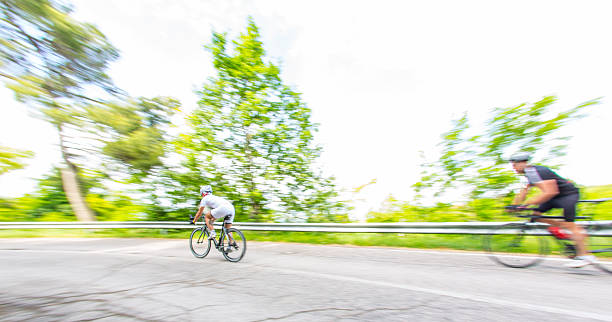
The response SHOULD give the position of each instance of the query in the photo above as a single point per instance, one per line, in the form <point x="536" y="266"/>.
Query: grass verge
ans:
<point x="424" y="241"/>
<point x="459" y="242"/>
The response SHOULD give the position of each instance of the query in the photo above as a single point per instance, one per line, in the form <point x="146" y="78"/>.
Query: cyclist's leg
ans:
<point x="544" y="207"/>
<point x="568" y="204"/>
<point x="209" y="219"/>
<point x="215" y="214"/>
<point x="229" y="221"/>
<point x="578" y="236"/>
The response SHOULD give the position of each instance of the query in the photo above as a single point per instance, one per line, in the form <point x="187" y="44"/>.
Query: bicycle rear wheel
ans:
<point x="199" y="242"/>
<point x="510" y="244"/>
<point x="601" y="248"/>
<point x="233" y="250"/>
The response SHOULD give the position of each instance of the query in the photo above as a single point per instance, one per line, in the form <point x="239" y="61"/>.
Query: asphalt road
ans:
<point x="159" y="280"/>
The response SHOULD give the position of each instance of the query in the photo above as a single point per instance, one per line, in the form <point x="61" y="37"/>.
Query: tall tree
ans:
<point x="252" y="138"/>
<point x="475" y="162"/>
<point x="132" y="133"/>
<point x="50" y="61"/>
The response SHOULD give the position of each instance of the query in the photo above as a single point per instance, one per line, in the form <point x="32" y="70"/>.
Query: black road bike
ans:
<point x="231" y="242"/>
<point x="509" y="244"/>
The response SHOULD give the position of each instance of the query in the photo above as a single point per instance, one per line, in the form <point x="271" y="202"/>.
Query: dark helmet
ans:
<point x="520" y="157"/>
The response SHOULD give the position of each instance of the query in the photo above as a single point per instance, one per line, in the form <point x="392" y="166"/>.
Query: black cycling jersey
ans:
<point x="537" y="173"/>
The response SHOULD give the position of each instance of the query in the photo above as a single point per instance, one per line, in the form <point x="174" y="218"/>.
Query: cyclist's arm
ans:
<point x="521" y="195"/>
<point x="549" y="189"/>
<point x="198" y="214"/>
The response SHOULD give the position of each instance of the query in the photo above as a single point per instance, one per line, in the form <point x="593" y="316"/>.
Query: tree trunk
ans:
<point x="71" y="185"/>
<point x="254" y="214"/>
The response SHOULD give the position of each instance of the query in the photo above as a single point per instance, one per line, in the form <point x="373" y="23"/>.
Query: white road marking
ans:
<point x="454" y="253"/>
<point x="459" y="295"/>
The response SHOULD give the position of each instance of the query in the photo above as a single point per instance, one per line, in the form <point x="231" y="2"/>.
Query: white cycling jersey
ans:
<point x="219" y="207"/>
<point x="213" y="202"/>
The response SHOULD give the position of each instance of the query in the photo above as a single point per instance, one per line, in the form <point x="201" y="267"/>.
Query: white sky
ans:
<point x="383" y="78"/>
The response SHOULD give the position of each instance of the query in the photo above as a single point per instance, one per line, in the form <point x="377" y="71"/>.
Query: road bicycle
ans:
<point x="509" y="244"/>
<point x="231" y="242"/>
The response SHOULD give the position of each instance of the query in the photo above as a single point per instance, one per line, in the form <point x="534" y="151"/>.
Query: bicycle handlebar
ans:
<point x="533" y="216"/>
<point x="515" y="208"/>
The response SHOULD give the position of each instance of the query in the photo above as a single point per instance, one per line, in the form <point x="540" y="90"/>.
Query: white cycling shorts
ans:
<point x="224" y="211"/>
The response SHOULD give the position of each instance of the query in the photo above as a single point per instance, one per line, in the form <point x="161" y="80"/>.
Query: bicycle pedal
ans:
<point x="570" y="251"/>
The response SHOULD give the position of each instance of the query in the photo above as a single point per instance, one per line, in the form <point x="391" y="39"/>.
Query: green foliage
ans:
<point x="133" y="133"/>
<point x="602" y="211"/>
<point x="115" y="207"/>
<point x="475" y="162"/>
<point x="47" y="55"/>
<point x="49" y="60"/>
<point x="49" y="203"/>
<point x="12" y="159"/>
<point x="482" y="209"/>
<point x="252" y="139"/>
<point x="9" y="211"/>
<point x="394" y="210"/>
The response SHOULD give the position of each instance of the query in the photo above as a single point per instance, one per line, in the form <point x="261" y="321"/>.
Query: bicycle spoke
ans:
<point x="199" y="243"/>
<point x="201" y="237"/>
<point x="512" y="246"/>
<point x="233" y="245"/>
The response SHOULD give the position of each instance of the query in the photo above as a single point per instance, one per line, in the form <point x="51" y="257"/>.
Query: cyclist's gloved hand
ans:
<point x="513" y="208"/>
<point x="191" y="220"/>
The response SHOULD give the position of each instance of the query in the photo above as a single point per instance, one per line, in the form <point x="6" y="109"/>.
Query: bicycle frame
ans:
<point x="222" y="235"/>
<point x="529" y="232"/>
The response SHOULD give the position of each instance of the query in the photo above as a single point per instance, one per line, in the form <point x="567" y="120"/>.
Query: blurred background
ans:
<point x="297" y="111"/>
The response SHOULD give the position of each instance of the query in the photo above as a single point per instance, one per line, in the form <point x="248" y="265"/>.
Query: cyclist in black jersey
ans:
<point x="557" y="192"/>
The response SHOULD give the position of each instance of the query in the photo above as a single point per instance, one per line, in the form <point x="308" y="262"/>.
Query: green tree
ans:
<point x="475" y="161"/>
<point x="252" y="139"/>
<point x="12" y="159"/>
<point x="51" y="61"/>
<point x="48" y="201"/>
<point x="132" y="133"/>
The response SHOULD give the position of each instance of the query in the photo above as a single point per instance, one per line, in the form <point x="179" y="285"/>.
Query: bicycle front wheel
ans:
<point x="511" y="244"/>
<point x="233" y="245"/>
<point x="199" y="242"/>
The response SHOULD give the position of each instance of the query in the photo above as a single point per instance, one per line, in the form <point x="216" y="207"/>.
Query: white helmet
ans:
<point x="205" y="189"/>
<point x="520" y="157"/>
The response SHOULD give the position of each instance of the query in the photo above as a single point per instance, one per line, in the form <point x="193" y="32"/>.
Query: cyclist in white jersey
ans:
<point x="218" y="207"/>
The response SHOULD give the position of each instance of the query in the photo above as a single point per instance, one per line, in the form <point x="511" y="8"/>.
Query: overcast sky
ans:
<point x="383" y="78"/>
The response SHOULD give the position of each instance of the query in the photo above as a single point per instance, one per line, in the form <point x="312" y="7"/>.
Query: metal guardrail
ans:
<point x="603" y="228"/>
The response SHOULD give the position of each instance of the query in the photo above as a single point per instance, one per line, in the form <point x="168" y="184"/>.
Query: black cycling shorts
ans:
<point x="567" y="203"/>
